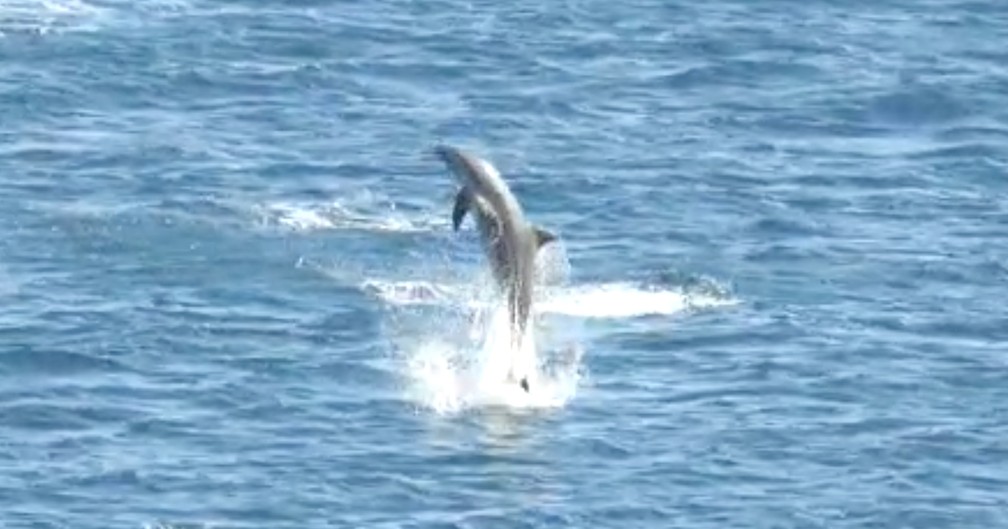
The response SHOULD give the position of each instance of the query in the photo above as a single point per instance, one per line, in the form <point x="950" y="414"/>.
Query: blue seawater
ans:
<point x="232" y="296"/>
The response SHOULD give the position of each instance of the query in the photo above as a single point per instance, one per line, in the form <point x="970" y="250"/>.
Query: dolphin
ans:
<point x="510" y="241"/>
<point x="488" y="226"/>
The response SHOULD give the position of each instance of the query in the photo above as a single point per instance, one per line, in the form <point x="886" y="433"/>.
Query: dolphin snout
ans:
<point x="446" y="153"/>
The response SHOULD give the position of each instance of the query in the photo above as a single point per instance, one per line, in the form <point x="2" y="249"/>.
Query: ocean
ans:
<point x="232" y="296"/>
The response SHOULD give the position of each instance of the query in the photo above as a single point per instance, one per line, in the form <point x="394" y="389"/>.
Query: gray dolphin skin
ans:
<point x="511" y="242"/>
<point x="489" y="229"/>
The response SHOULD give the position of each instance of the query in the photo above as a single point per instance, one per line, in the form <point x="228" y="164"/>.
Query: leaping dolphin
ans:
<point x="489" y="229"/>
<point x="511" y="242"/>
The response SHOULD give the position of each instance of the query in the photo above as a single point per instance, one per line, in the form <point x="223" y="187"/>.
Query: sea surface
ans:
<point x="231" y="295"/>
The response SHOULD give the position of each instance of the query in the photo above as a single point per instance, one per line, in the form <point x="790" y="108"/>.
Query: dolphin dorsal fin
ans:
<point x="463" y="200"/>
<point x="542" y="236"/>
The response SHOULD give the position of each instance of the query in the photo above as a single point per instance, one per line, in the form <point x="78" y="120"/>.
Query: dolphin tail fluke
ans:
<point x="463" y="200"/>
<point x="542" y="236"/>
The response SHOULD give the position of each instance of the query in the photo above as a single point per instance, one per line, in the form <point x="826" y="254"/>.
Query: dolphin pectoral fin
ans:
<point x="463" y="200"/>
<point x="542" y="236"/>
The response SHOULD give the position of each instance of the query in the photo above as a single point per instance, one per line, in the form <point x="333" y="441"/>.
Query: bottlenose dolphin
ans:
<point x="488" y="226"/>
<point x="511" y="242"/>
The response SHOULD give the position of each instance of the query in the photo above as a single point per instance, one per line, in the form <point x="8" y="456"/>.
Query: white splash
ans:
<point x="606" y="300"/>
<point x="625" y="300"/>
<point x="454" y="370"/>
<point x="405" y="293"/>
<point x="42" y="8"/>
<point x="448" y="378"/>
<point x="45" y="16"/>
<point x="304" y="217"/>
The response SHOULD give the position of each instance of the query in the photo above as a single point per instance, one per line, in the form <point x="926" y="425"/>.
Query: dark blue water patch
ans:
<point x="919" y="106"/>
<point x="96" y="85"/>
<point x="959" y="150"/>
<point x="790" y="227"/>
<point x="23" y="360"/>
<point x="990" y="332"/>
<point x="167" y="429"/>
<point x="814" y="123"/>
<point x="34" y="100"/>
<point x="38" y="417"/>
<point x="333" y="171"/>
<point x="739" y="73"/>
<point x="981" y="132"/>
<point x="780" y="252"/>
<point x="987" y="10"/>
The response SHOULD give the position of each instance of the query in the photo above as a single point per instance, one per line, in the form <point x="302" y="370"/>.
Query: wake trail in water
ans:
<point x="44" y="16"/>
<point x="53" y="17"/>
<point x="363" y="216"/>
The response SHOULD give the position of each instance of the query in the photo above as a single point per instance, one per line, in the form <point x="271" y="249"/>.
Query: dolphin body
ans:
<point x="489" y="229"/>
<point x="510" y="242"/>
